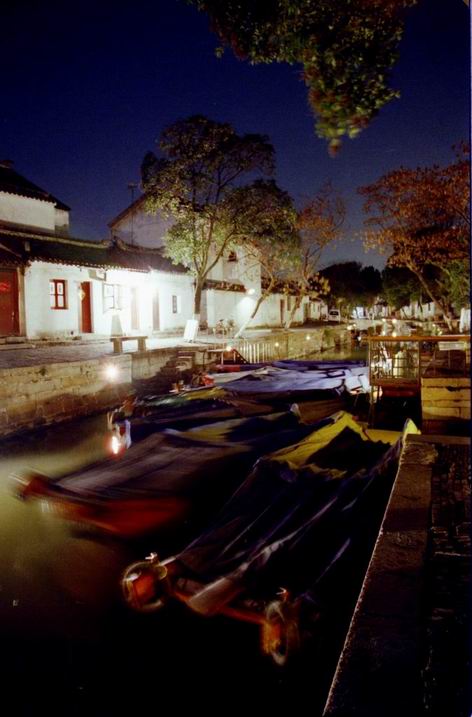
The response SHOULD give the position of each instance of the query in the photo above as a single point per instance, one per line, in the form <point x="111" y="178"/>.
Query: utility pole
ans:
<point x="132" y="186"/>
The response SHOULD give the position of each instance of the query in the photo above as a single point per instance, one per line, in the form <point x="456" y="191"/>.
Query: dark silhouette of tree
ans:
<point x="346" y="49"/>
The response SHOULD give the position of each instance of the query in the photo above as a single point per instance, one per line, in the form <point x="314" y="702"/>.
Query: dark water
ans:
<point x="70" y="647"/>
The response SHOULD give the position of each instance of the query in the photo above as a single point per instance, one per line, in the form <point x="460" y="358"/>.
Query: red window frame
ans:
<point x="58" y="294"/>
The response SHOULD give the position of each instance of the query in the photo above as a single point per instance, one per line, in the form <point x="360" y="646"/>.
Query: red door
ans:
<point x="8" y="303"/>
<point x="85" y="308"/>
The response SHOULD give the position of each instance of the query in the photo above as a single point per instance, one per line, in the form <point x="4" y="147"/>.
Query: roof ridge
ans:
<point x="127" y="209"/>
<point x="56" y="238"/>
<point x="138" y="248"/>
<point x="23" y="187"/>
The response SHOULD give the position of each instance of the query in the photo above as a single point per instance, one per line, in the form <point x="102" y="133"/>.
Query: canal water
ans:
<point x="70" y="647"/>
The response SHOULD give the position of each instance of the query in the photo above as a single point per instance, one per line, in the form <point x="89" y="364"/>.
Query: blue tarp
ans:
<point x="290" y="381"/>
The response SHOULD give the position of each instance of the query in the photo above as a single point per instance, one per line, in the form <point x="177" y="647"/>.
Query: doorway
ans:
<point x="156" y="324"/>
<point x="134" y="309"/>
<point x="85" y="295"/>
<point x="9" y="324"/>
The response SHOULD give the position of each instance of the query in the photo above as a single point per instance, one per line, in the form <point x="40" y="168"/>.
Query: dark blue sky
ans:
<point x="87" y="88"/>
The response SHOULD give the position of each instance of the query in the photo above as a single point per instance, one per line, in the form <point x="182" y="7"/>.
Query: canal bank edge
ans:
<point x="407" y="650"/>
<point x="44" y="394"/>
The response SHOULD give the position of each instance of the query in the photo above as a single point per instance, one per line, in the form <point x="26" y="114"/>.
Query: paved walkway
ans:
<point x="39" y="353"/>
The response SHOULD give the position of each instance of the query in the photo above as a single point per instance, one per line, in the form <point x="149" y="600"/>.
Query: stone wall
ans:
<point x="296" y="344"/>
<point x="315" y="341"/>
<point x="444" y="401"/>
<point x="32" y="396"/>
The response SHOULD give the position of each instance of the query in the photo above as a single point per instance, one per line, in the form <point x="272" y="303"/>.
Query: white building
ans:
<point x="234" y="284"/>
<point x="52" y="285"/>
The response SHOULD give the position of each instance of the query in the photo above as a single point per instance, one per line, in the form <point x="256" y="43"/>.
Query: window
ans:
<point x="176" y="304"/>
<point x="231" y="266"/>
<point x="57" y="294"/>
<point x="112" y="296"/>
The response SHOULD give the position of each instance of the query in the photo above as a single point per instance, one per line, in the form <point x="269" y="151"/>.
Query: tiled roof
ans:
<point x="26" y="247"/>
<point x="14" y="183"/>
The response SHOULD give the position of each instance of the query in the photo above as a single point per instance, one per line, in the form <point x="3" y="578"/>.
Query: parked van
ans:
<point x="334" y="315"/>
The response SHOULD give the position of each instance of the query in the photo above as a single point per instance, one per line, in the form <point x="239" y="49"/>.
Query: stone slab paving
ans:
<point x="41" y="353"/>
<point x="447" y="671"/>
<point x="37" y="354"/>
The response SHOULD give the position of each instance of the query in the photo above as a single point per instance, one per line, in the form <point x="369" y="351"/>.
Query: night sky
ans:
<point x="87" y="88"/>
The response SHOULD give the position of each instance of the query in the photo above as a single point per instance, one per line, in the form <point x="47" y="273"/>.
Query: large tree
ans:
<point x="200" y="165"/>
<point x="319" y="223"/>
<point x="346" y="49"/>
<point x="420" y="217"/>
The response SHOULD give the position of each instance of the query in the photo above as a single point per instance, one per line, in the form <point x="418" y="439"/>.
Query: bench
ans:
<point x="118" y="342"/>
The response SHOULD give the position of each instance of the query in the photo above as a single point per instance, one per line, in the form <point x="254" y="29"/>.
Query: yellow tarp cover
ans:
<point x="299" y="454"/>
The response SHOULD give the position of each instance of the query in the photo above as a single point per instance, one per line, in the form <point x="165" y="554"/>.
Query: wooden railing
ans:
<point x="396" y="360"/>
<point x="261" y="350"/>
<point x="253" y="351"/>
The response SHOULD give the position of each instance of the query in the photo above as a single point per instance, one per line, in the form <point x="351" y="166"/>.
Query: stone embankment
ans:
<point x="43" y="393"/>
<point x="408" y="651"/>
<point x="445" y="403"/>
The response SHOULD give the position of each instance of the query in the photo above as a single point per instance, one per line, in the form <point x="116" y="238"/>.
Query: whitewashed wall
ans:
<point x="61" y="220"/>
<point x="419" y="311"/>
<point x="141" y="228"/>
<point x="27" y="212"/>
<point x="104" y="321"/>
<point x="167" y="286"/>
<point x="43" y="321"/>
<point x="243" y="271"/>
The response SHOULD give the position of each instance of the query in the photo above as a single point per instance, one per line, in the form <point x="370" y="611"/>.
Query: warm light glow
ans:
<point x="115" y="445"/>
<point x="276" y="344"/>
<point x="111" y="372"/>
<point x="307" y="337"/>
<point x="251" y="291"/>
<point x="384" y="320"/>
<point x="394" y="333"/>
<point x="394" y="321"/>
<point x="229" y="347"/>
